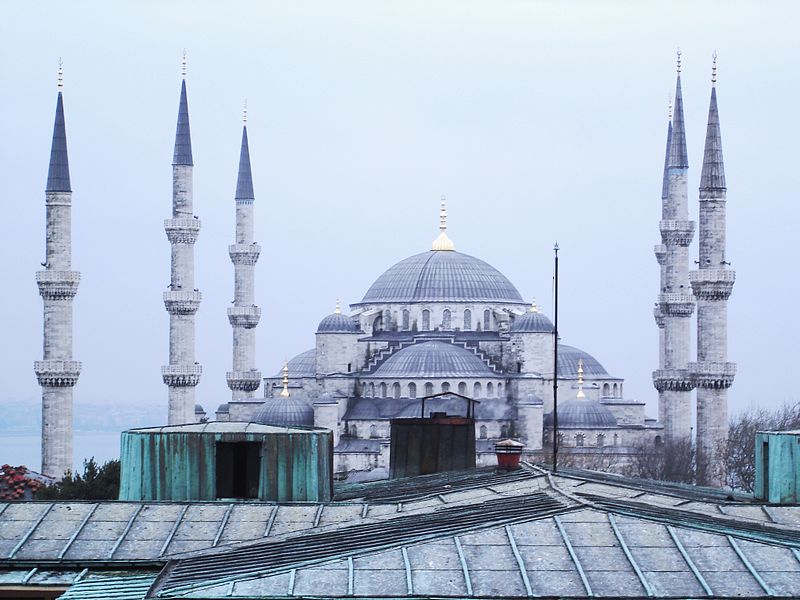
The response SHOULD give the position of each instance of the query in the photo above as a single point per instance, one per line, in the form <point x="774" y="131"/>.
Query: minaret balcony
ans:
<point x="677" y="233"/>
<point x="244" y="316"/>
<point x="673" y="380"/>
<point x="243" y="381"/>
<point x="57" y="373"/>
<point x="676" y="305"/>
<point x="58" y="285"/>
<point x="182" y="231"/>
<point x="244" y="254"/>
<point x="661" y="253"/>
<point x="713" y="375"/>
<point x="181" y="375"/>
<point x="712" y="284"/>
<point x="182" y="303"/>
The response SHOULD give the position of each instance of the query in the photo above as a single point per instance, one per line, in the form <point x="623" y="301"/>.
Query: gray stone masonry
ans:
<point x="712" y="283"/>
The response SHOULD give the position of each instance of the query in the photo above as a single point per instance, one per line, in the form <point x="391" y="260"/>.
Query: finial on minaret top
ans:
<point x="244" y="112"/>
<point x="534" y="308"/>
<point x="679" y="61"/>
<point x="285" y="390"/>
<point x="714" y="69"/>
<point x="580" y="395"/>
<point x="183" y="64"/>
<point x="60" y="74"/>
<point x="338" y="309"/>
<point x="443" y="242"/>
<point x="669" y="107"/>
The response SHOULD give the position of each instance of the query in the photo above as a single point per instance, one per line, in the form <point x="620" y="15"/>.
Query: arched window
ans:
<point x="487" y="320"/>
<point x="615" y="391"/>
<point x="426" y="320"/>
<point x="377" y="324"/>
<point x="446" y="319"/>
<point x="504" y="431"/>
<point x="353" y="430"/>
<point x="620" y="391"/>
<point x="382" y="389"/>
<point x="658" y="440"/>
<point x="499" y="390"/>
<point x="579" y="440"/>
<point x="371" y="390"/>
<point x="476" y="390"/>
<point x="396" y="391"/>
<point x="412" y="390"/>
<point x="606" y="390"/>
<point x="616" y="440"/>
<point x="373" y="431"/>
<point x="467" y="319"/>
<point x="489" y="389"/>
<point x="429" y="389"/>
<point x="445" y="386"/>
<point x="406" y="319"/>
<point x="483" y="432"/>
<point x="601" y="440"/>
<point x="462" y="388"/>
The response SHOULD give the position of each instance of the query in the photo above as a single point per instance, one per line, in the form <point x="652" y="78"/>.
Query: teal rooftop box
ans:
<point x="221" y="461"/>
<point x="778" y="467"/>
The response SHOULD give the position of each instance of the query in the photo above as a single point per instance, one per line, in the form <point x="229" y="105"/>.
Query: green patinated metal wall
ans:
<point x="778" y="467"/>
<point x="296" y="466"/>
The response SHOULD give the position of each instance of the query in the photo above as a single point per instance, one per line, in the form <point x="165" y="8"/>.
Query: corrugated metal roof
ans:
<point x="108" y="586"/>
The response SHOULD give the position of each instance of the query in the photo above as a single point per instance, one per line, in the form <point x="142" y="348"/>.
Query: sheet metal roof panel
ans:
<point x="673" y="584"/>
<point x="119" y="586"/>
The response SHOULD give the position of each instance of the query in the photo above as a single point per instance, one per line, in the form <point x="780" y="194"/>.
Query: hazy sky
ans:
<point x="540" y="121"/>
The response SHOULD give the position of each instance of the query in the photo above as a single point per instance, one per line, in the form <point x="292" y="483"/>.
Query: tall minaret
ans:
<point x="183" y="299"/>
<point x="58" y="283"/>
<point x="244" y="379"/>
<point x="676" y="304"/>
<point x="661" y="257"/>
<point x="712" y="284"/>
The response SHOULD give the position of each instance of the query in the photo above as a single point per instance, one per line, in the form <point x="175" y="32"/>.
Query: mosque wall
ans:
<point x="337" y="353"/>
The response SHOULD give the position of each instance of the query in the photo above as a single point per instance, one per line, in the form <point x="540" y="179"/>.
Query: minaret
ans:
<point x="675" y="303"/>
<point x="661" y="257"/>
<point x="182" y="300"/>
<point x="58" y="283"/>
<point x="712" y="284"/>
<point x="244" y="379"/>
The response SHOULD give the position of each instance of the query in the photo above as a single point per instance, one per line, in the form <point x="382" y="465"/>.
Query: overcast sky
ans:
<point x="540" y="121"/>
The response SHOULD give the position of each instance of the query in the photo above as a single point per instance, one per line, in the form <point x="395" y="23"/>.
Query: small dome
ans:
<point x="337" y="323"/>
<point x="302" y="365"/>
<point x="293" y="411"/>
<point x="581" y="414"/>
<point x="198" y="409"/>
<point x="568" y="358"/>
<point x="433" y="359"/>
<point x="223" y="408"/>
<point x="532" y="322"/>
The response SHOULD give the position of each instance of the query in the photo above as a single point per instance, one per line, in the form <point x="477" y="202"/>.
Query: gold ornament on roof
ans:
<point x="338" y="309"/>
<point x="534" y="307"/>
<point x="443" y="243"/>
<point x="285" y="390"/>
<point x="580" y="395"/>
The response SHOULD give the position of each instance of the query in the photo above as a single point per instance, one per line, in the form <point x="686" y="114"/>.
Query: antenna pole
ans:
<point x="555" y="363"/>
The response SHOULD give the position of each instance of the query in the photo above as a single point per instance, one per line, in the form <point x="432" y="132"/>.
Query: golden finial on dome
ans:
<point x="285" y="390"/>
<point x="338" y="309"/>
<point x="714" y="69"/>
<point x="580" y="395"/>
<point x="183" y="64"/>
<point x="443" y="243"/>
<point x="534" y="307"/>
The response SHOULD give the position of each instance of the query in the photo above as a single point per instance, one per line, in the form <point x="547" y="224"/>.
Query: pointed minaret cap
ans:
<point x="58" y="171"/>
<point x="712" y="176"/>
<point x="183" y="137"/>
<point x="678" y="158"/>
<point x="244" y="184"/>
<point x="443" y="243"/>
<point x="665" y="180"/>
<point x="285" y="390"/>
<point x="580" y="395"/>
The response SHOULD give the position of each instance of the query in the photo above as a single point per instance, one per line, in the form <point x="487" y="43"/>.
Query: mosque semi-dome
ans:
<point x="433" y="359"/>
<point x="302" y="365"/>
<point x="442" y="276"/>
<point x="569" y="359"/>
<point x="533" y="321"/>
<point x="579" y="413"/>
<point x="291" y="411"/>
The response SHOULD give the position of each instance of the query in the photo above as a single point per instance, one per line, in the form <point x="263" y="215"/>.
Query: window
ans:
<point x="445" y="387"/>
<point x="373" y="431"/>
<point x="371" y="390"/>
<point x="377" y="324"/>
<point x="499" y="390"/>
<point x="579" y="440"/>
<point x="601" y="440"/>
<point x="504" y="431"/>
<point x="462" y="388"/>
<point x="426" y="320"/>
<point x="487" y="320"/>
<point x="616" y="440"/>
<point x="429" y="389"/>
<point x="606" y="390"/>
<point x="383" y="390"/>
<point x="353" y="431"/>
<point x="615" y="391"/>
<point x="238" y="469"/>
<point x="489" y="389"/>
<point x="467" y="319"/>
<point x="476" y="390"/>
<point x="412" y="390"/>
<point x="396" y="391"/>
<point x="483" y="432"/>
<point x="446" y="319"/>
<point x="406" y="319"/>
<point x="349" y="367"/>
<point x="658" y="440"/>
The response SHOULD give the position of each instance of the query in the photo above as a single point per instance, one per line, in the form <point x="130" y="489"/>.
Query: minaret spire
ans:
<point x="57" y="372"/>
<point x="712" y="284"/>
<point x="244" y="379"/>
<point x="182" y="300"/>
<point x="677" y="155"/>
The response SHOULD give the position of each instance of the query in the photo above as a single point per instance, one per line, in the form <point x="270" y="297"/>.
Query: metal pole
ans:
<point x="555" y="364"/>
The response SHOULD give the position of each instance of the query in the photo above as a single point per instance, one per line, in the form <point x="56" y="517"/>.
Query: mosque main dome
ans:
<point x="442" y="276"/>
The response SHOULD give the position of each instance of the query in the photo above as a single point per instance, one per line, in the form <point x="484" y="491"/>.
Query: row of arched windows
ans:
<point x="384" y="320"/>
<point x="395" y="390"/>
<point x="580" y="439"/>
<point x="610" y="391"/>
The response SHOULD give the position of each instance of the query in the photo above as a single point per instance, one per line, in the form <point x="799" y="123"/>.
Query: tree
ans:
<point x="669" y="461"/>
<point x="96" y="483"/>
